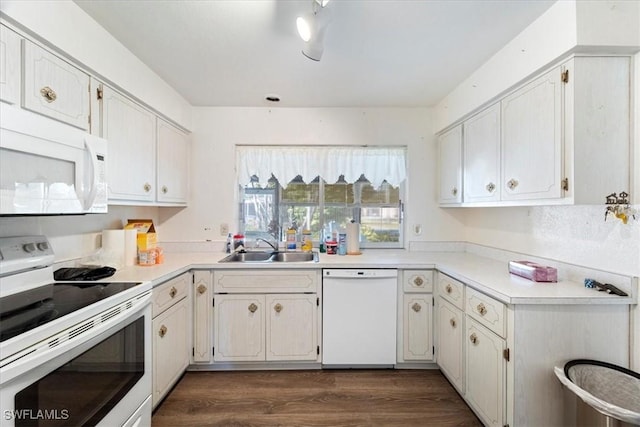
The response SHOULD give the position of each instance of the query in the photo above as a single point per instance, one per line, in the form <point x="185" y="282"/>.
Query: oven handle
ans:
<point x="40" y="355"/>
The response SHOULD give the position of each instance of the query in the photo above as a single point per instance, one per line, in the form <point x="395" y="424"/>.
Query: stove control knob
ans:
<point x="29" y="247"/>
<point x="43" y="246"/>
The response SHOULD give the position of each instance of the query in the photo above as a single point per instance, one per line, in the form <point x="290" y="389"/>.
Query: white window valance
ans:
<point x="377" y="164"/>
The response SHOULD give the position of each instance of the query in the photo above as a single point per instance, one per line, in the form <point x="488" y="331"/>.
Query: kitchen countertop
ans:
<point x="484" y="274"/>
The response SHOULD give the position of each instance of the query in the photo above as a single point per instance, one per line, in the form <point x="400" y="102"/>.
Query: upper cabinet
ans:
<point x="173" y="164"/>
<point x="148" y="157"/>
<point x="53" y="87"/>
<point x="9" y="66"/>
<point x="562" y="137"/>
<point x="450" y="162"/>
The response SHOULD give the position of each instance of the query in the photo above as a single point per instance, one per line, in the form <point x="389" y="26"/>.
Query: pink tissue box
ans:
<point x="532" y="271"/>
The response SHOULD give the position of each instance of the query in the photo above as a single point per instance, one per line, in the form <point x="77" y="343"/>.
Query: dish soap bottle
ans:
<point x="307" y="244"/>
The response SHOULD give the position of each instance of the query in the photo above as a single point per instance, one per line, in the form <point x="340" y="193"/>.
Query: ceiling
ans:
<point x="378" y="53"/>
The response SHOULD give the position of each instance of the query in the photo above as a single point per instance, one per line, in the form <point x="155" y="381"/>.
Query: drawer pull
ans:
<point x="490" y="187"/>
<point x="474" y="339"/>
<point x="201" y="289"/>
<point x="165" y="190"/>
<point x="253" y="307"/>
<point x="163" y="331"/>
<point x="278" y="308"/>
<point x="48" y="94"/>
<point x="418" y="281"/>
<point x="454" y="191"/>
<point x="482" y="309"/>
<point x="448" y="288"/>
<point x="147" y="187"/>
<point x="416" y="307"/>
<point x="453" y="323"/>
<point x="512" y="184"/>
<point x="173" y="292"/>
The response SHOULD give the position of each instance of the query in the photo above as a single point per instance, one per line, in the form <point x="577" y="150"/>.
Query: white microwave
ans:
<point x="48" y="167"/>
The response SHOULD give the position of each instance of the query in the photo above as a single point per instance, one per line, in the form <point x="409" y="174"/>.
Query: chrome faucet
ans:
<point x="274" y="247"/>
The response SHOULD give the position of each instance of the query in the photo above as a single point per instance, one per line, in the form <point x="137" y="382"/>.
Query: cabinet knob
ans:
<point x="163" y="331"/>
<point x="165" y="190"/>
<point x="201" y="289"/>
<point x="512" y="183"/>
<point x="482" y="309"/>
<point x="490" y="187"/>
<point x="278" y="308"/>
<point x="416" y="307"/>
<point x="253" y="307"/>
<point x="452" y="322"/>
<point x="418" y="281"/>
<point x="173" y="291"/>
<point x="147" y="187"/>
<point x="474" y="339"/>
<point x="448" y="288"/>
<point x="454" y="191"/>
<point x="48" y="94"/>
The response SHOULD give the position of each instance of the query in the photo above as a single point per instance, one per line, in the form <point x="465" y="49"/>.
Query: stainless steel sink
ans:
<point x="263" y="257"/>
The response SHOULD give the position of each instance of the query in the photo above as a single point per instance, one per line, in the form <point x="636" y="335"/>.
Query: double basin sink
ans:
<point x="275" y="256"/>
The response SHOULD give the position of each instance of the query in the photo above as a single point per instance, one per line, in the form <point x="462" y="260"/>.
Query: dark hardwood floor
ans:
<point x="314" y="398"/>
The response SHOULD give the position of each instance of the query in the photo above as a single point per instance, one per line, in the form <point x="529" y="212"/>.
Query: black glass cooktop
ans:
<point x="27" y="310"/>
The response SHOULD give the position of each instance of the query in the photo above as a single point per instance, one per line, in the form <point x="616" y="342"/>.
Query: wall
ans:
<point x="217" y="131"/>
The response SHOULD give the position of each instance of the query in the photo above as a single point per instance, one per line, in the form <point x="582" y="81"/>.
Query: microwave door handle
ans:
<point x="88" y="201"/>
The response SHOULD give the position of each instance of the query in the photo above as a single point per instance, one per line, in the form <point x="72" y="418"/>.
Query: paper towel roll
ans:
<point x="113" y="247"/>
<point x="130" y="247"/>
<point x="353" y="238"/>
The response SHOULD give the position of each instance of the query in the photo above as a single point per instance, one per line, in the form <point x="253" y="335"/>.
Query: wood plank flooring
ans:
<point x="314" y="398"/>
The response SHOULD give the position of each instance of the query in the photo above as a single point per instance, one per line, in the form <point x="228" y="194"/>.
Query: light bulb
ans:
<point x="304" y="28"/>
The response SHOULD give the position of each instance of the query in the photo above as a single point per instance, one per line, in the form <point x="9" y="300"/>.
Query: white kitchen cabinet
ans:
<point x="531" y="158"/>
<point x="202" y="316"/>
<point x="485" y="370"/>
<point x="415" y="317"/>
<point x="173" y="164"/>
<point x="266" y="316"/>
<point x="482" y="182"/>
<point x="130" y="131"/>
<point x="10" y="69"/>
<point x="502" y="364"/>
<point x="450" y="163"/>
<point x="170" y="328"/>
<point x="449" y="351"/>
<point x="53" y="87"/>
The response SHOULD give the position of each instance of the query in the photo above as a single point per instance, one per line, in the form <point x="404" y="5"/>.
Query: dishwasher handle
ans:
<point x="367" y="273"/>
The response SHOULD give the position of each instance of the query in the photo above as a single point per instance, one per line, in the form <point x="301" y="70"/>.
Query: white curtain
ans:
<point x="377" y="164"/>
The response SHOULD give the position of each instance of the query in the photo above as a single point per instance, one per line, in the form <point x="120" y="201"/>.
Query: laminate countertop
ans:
<point x="487" y="275"/>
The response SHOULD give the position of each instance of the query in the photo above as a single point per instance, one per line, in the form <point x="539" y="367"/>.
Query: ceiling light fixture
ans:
<point x="311" y="28"/>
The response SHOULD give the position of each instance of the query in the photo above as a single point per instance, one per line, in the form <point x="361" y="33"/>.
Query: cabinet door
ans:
<point x="450" y="345"/>
<point x="173" y="164"/>
<point x="532" y="140"/>
<point x="170" y="348"/>
<point x="292" y="327"/>
<point x="482" y="156"/>
<point x="485" y="373"/>
<point x="202" y="316"/>
<point x="54" y="88"/>
<point x="450" y="163"/>
<point x="10" y="66"/>
<point x="417" y="329"/>
<point x="131" y="133"/>
<point x="239" y="328"/>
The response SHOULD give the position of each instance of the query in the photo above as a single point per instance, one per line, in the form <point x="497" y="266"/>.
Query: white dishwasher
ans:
<point x="359" y="317"/>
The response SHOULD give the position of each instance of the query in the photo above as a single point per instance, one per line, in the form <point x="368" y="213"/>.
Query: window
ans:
<point x="268" y="209"/>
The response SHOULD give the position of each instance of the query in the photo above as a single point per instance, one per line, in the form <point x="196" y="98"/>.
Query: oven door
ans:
<point x="104" y="379"/>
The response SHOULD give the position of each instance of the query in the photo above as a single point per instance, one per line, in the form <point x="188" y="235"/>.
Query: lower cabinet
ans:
<point x="415" y="317"/>
<point x="259" y="316"/>
<point x="450" y="332"/>
<point x="170" y="330"/>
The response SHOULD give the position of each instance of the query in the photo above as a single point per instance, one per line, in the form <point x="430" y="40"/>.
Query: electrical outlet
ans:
<point x="417" y="229"/>
<point x="224" y="229"/>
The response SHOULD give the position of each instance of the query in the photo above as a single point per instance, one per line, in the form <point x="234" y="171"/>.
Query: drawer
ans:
<point x="169" y="293"/>
<point x="451" y="290"/>
<point x="266" y="281"/>
<point x="486" y="310"/>
<point x="417" y="281"/>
